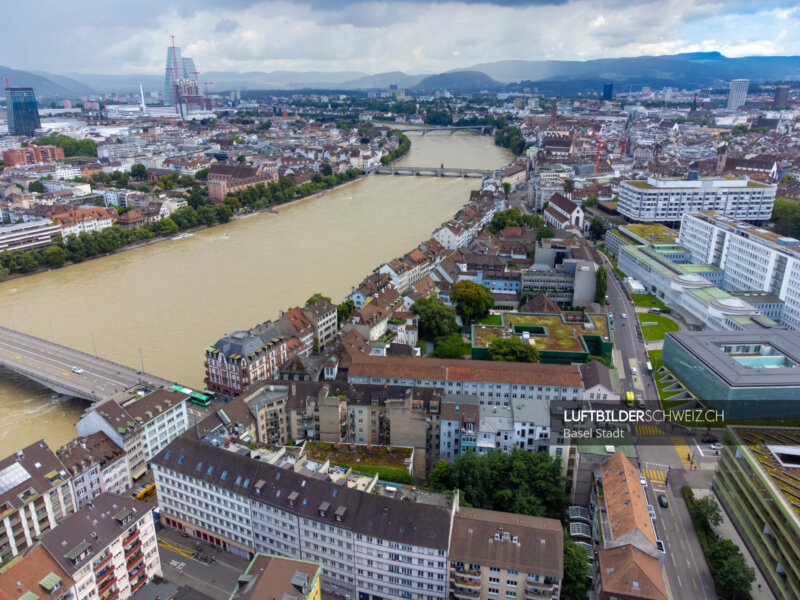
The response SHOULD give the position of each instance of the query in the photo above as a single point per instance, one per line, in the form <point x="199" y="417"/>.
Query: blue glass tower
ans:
<point x="23" y="112"/>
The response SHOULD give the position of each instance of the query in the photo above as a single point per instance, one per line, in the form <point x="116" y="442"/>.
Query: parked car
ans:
<point x="662" y="501"/>
<point x="716" y="446"/>
<point x="710" y="439"/>
<point x="77" y="370"/>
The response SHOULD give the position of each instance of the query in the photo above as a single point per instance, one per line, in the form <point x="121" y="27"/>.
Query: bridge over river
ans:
<point x="481" y="129"/>
<point x="51" y="365"/>
<point x="432" y="171"/>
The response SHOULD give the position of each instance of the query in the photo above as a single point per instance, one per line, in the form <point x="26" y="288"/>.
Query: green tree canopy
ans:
<point x="597" y="228"/>
<point x="71" y="147"/>
<point x="513" y="349"/>
<point x="317" y="296"/>
<point x="436" y="319"/>
<point x="576" y="565"/>
<point x="201" y="174"/>
<point x="139" y="171"/>
<point x="707" y="512"/>
<point x="600" y="284"/>
<point x="450" y="346"/>
<point x="37" y="186"/>
<point x="344" y="310"/>
<point x="472" y="300"/>
<point x="733" y="577"/>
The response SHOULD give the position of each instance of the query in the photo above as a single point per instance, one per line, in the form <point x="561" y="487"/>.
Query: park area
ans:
<point x="388" y="462"/>
<point x="655" y="327"/>
<point x="647" y="301"/>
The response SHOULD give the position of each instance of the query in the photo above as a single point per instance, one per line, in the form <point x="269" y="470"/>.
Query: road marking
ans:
<point x="674" y="564"/>
<point x="168" y="546"/>
<point x="699" y="450"/>
<point x="694" y="583"/>
<point x="679" y="580"/>
<point x="654" y="475"/>
<point x="683" y="451"/>
<point x="682" y="546"/>
<point x="676" y="528"/>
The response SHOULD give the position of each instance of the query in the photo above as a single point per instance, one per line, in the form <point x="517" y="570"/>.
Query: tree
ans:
<point x="37" y="186"/>
<point x="788" y="178"/>
<point x="569" y="185"/>
<point x="327" y="170"/>
<point x="439" y="478"/>
<point x="706" y="512"/>
<point x="317" y="296"/>
<point x="201" y="174"/>
<point x="596" y="228"/>
<point x="600" y="284"/>
<point x="139" y="171"/>
<point x="733" y="578"/>
<point x="344" y="310"/>
<point x="576" y="564"/>
<point x="451" y="346"/>
<point x="472" y="300"/>
<point x="506" y="188"/>
<point x="55" y="256"/>
<point x="436" y="319"/>
<point x="513" y="349"/>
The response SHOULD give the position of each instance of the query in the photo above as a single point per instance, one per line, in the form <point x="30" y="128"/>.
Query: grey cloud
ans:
<point x="226" y="26"/>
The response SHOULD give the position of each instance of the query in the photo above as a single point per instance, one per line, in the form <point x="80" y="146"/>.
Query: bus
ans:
<point x="147" y="492"/>
<point x="194" y="397"/>
<point x="629" y="398"/>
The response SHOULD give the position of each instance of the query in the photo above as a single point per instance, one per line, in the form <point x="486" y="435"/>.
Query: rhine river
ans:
<point x="175" y="298"/>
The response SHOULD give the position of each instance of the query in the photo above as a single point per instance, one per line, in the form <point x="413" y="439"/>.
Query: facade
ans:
<point x="23" y="112"/>
<point x="737" y="94"/>
<point x="113" y="420"/>
<point x="32" y="155"/>
<point x="36" y="494"/>
<point x="781" y="97"/>
<point x="752" y="484"/>
<point x="499" y="555"/>
<point x="323" y="316"/>
<point x="271" y="575"/>
<point x="30" y="235"/>
<point x="97" y="465"/>
<point x="639" y="234"/>
<point x="186" y="70"/>
<point x="751" y="258"/>
<point x="753" y="374"/>
<point x="666" y="200"/>
<point x="562" y="213"/>
<point x="224" y="179"/>
<point x="495" y="383"/>
<point x="79" y="220"/>
<point x="162" y="416"/>
<point x="108" y="548"/>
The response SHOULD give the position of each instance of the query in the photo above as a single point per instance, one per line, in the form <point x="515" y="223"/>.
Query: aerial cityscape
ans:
<point x="359" y="300"/>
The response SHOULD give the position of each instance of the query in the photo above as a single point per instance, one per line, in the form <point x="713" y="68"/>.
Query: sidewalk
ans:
<point x="727" y="530"/>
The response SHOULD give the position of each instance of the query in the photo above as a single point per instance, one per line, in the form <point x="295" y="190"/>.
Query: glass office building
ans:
<point x="23" y="112"/>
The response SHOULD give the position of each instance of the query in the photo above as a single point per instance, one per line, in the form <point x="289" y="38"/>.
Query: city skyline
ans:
<point x="373" y="37"/>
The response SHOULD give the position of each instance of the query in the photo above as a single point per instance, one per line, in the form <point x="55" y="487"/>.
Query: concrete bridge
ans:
<point x="481" y="129"/>
<point x="432" y="171"/>
<point x="51" y="365"/>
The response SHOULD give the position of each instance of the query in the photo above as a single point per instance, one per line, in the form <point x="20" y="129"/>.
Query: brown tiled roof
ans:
<point x="540" y="304"/>
<point x="95" y="448"/>
<point x="164" y="398"/>
<point x="473" y="370"/>
<point x="595" y="373"/>
<point x="622" y="566"/>
<point x="24" y="576"/>
<point x="626" y="505"/>
<point x="563" y="203"/>
<point x="539" y="547"/>
<point x="39" y="462"/>
<point x="272" y="577"/>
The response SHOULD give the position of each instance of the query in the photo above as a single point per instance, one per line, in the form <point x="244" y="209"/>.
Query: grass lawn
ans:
<point x="654" y="333"/>
<point x="490" y="320"/>
<point x="647" y="300"/>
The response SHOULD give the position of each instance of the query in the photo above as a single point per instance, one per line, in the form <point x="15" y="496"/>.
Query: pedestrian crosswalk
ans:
<point x="654" y="475"/>
<point x="648" y="431"/>
<point x="684" y="452"/>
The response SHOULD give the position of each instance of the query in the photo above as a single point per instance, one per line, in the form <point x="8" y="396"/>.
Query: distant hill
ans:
<point x="384" y="80"/>
<point x="461" y="81"/>
<point x="44" y="85"/>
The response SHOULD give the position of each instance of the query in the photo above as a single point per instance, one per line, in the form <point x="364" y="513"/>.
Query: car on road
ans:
<point x="710" y="439"/>
<point x="716" y="446"/>
<point x="634" y="371"/>
<point x="662" y="501"/>
<point x="77" y="370"/>
<point x="642" y="480"/>
<point x="624" y="316"/>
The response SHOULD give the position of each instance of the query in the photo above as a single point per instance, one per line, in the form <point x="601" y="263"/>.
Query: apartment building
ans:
<point x="32" y="155"/>
<point x="495" y="383"/>
<point x="30" y="235"/>
<point x="97" y="465"/>
<point x="751" y="258"/>
<point x="372" y="540"/>
<point x="269" y="575"/>
<point x="36" y="575"/>
<point x="113" y="420"/>
<point x="161" y="414"/>
<point x="666" y="199"/>
<point x="500" y="556"/>
<point x="36" y="493"/>
<point x="323" y="317"/>
<point x="79" y="220"/>
<point x="108" y="548"/>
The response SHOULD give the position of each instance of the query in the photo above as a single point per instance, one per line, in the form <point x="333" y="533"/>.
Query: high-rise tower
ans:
<point x="781" y="96"/>
<point x="186" y="70"/>
<point x="23" y="112"/>
<point x="737" y="95"/>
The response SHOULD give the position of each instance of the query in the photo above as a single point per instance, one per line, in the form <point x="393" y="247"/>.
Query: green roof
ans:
<point x="78" y="550"/>
<point x="28" y="596"/>
<point x="50" y="581"/>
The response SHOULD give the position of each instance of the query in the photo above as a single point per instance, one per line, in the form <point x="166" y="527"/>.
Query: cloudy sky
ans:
<point x="415" y="36"/>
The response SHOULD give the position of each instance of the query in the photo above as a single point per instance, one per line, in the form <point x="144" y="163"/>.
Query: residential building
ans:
<point x="79" y="220"/>
<point x="754" y="484"/>
<point x="627" y="573"/>
<point x="97" y="465"/>
<point x="162" y="416"/>
<point x="666" y="200"/>
<point x="600" y="384"/>
<point x="108" y="548"/>
<point x="36" y="494"/>
<point x="36" y="575"/>
<point x="113" y="420"/>
<point x="32" y="155"/>
<point x="23" y="112"/>
<point x="224" y="179"/>
<point x="495" y="383"/>
<point x="752" y="374"/>
<point x="781" y="96"/>
<point x="271" y="575"/>
<point x="323" y="316"/>
<point x="30" y="235"/>
<point x="737" y="94"/>
<point x="751" y="258"/>
<point x="500" y="555"/>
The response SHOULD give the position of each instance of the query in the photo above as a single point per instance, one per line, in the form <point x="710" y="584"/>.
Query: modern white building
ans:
<point x="36" y="493"/>
<point x="737" y="93"/>
<point x="108" y="547"/>
<point x="666" y="200"/>
<point x="750" y="257"/>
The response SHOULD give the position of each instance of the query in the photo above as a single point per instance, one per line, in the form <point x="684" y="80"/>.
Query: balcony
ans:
<point x="467" y="594"/>
<point x="134" y="560"/>
<point x="466" y="582"/>
<point x="137" y="586"/>
<point x="464" y="572"/>
<point x="131" y="537"/>
<point x="105" y="587"/>
<point x="133" y="549"/>
<point x="102" y="563"/>
<point x="103" y="576"/>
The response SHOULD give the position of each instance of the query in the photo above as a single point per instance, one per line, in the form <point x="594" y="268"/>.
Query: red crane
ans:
<point x="176" y="92"/>
<point x="205" y="85"/>
<point x="7" y="77"/>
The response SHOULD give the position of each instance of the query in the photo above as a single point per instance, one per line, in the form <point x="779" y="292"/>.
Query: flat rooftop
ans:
<point x="560" y="333"/>
<point x="653" y="233"/>
<point x="742" y="368"/>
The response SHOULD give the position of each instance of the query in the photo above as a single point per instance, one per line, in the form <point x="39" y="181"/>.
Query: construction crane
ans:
<point x="7" y="77"/>
<point x="600" y="143"/>
<point x="205" y="85"/>
<point x="175" y="91"/>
